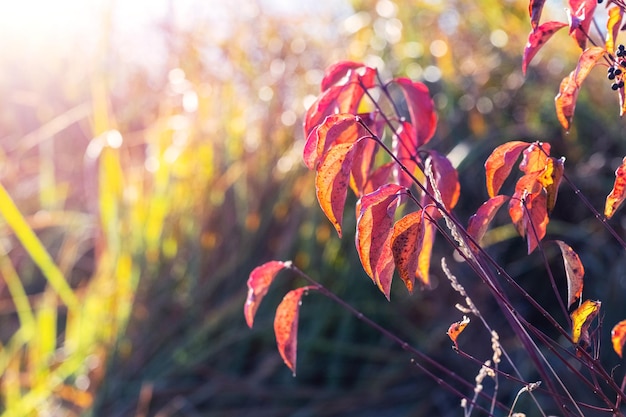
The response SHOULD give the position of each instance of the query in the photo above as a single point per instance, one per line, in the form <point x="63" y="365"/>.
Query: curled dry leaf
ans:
<point x="286" y="325"/>
<point x="574" y="272"/>
<point x="455" y="330"/>
<point x="618" y="337"/>
<point x="612" y="27"/>
<point x="259" y="282"/>
<point x="499" y="164"/>
<point x="615" y="199"/>
<point x="582" y="318"/>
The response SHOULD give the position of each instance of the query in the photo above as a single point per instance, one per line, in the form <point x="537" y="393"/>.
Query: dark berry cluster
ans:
<point x="616" y="71"/>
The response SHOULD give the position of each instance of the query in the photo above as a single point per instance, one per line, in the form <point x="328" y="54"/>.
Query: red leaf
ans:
<point x="612" y="27"/>
<point x="456" y="328"/>
<point x="286" y="325"/>
<point x="574" y="272"/>
<point x="528" y="210"/>
<point x="615" y="199"/>
<point x="479" y="222"/>
<point x="580" y="16"/>
<point x="499" y="164"/>
<point x="337" y="128"/>
<point x="332" y="180"/>
<point x="374" y="228"/>
<point x="535" y="7"/>
<point x="362" y="166"/>
<point x="405" y="147"/>
<point x="379" y="177"/>
<point x="446" y="179"/>
<point x="343" y="70"/>
<point x="339" y="98"/>
<point x="582" y="318"/>
<point x="618" y="337"/>
<point x="537" y="38"/>
<point x="406" y="244"/>
<point x="259" y="282"/>
<point x="421" y="109"/>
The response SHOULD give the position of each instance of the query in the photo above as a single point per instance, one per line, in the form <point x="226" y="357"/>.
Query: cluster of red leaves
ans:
<point x="343" y="146"/>
<point x="580" y="17"/>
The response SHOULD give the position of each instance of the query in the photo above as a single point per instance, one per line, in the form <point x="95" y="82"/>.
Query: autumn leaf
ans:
<point x="537" y="38"/>
<point x="615" y="199"/>
<point x="337" y="72"/>
<point x="550" y="179"/>
<point x="374" y="229"/>
<point x="446" y="180"/>
<point x="534" y="158"/>
<point x="535" y="7"/>
<point x="574" y="271"/>
<point x="580" y="16"/>
<point x="612" y="27"/>
<point x="423" y="258"/>
<point x="405" y="147"/>
<point x="421" y="109"/>
<point x="528" y="210"/>
<point x="362" y="166"/>
<point x="332" y="181"/>
<point x="582" y="318"/>
<point x="456" y="328"/>
<point x="286" y="325"/>
<point x="479" y="222"/>
<point x="406" y="244"/>
<point x="336" y="128"/>
<point x="499" y="164"/>
<point x="259" y="282"/>
<point x="618" y="337"/>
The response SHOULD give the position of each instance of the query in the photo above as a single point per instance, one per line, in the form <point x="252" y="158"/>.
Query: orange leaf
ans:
<point x="259" y="282"/>
<point x="612" y="27"/>
<point x="582" y="318"/>
<point x="574" y="272"/>
<point x="499" y="164"/>
<point x="406" y="244"/>
<point x="374" y="229"/>
<point x="336" y="128"/>
<point x="534" y="158"/>
<point x="332" y="180"/>
<point x="528" y="210"/>
<point x="479" y="222"/>
<point x="286" y="325"/>
<point x="456" y="328"/>
<point x="550" y="179"/>
<point x="618" y="337"/>
<point x="618" y="193"/>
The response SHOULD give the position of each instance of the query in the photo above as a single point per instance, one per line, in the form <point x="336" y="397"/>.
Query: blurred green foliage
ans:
<point x="144" y="196"/>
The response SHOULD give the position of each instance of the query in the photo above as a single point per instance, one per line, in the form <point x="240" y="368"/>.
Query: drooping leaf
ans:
<point x="479" y="222"/>
<point x="580" y="16"/>
<point x="405" y="147"/>
<point x="586" y="61"/>
<point x="332" y="180"/>
<point x="336" y="128"/>
<point x="550" y="179"/>
<point x="259" y="282"/>
<point x="499" y="164"/>
<point x="622" y="101"/>
<point x="574" y="272"/>
<point x="537" y="38"/>
<point x="534" y="158"/>
<point x="406" y="244"/>
<point x="374" y="229"/>
<point x="421" y="109"/>
<point x="362" y="166"/>
<point x="535" y="7"/>
<point x="338" y="72"/>
<point x="618" y="337"/>
<point x="455" y="330"/>
<point x="286" y="325"/>
<point x="446" y="180"/>
<point x="528" y="210"/>
<point x="582" y="318"/>
<point x="612" y="26"/>
<point x="615" y="199"/>
<point x="565" y="101"/>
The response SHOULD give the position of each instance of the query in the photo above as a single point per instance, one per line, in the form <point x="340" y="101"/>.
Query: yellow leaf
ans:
<point x="581" y="319"/>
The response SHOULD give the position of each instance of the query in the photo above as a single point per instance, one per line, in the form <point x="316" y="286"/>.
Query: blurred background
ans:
<point x="150" y="158"/>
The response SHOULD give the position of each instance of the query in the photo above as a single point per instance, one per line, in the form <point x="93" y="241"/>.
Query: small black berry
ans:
<point x="617" y="71"/>
<point x="611" y="76"/>
<point x="621" y="47"/>
<point x="620" y="84"/>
